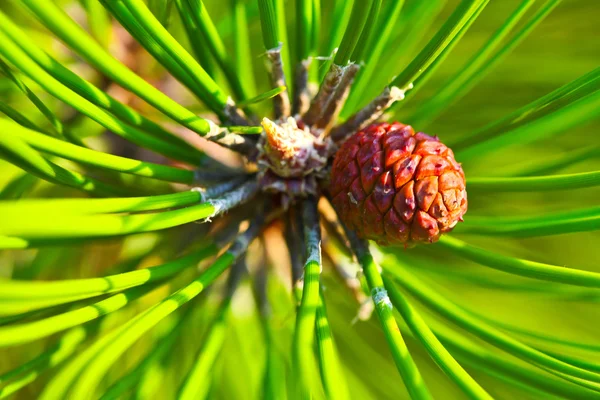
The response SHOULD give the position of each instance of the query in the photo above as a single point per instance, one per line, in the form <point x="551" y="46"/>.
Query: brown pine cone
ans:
<point x="396" y="187"/>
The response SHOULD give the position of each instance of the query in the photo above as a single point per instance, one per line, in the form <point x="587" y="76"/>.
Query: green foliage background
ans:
<point x="562" y="48"/>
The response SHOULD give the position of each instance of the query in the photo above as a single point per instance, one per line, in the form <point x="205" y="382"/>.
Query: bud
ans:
<point x="290" y="151"/>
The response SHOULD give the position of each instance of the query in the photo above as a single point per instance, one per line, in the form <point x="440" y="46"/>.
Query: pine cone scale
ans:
<point x="404" y="170"/>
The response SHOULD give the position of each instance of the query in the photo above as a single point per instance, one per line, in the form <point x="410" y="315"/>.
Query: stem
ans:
<point x="334" y="106"/>
<point x="220" y="189"/>
<point x="281" y="102"/>
<point x="303" y="357"/>
<point x="208" y="176"/>
<point x="367" y="115"/>
<point x="301" y="93"/>
<point x="326" y="91"/>
<point x="292" y="234"/>
<point x="238" y="143"/>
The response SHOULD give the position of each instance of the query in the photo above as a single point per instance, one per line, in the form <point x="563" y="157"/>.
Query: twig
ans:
<point x="333" y="108"/>
<point x="236" y="273"/>
<point x="259" y="286"/>
<point x="234" y="114"/>
<point x="244" y="145"/>
<point x="281" y="102"/>
<point x="312" y="231"/>
<point x="369" y="113"/>
<point x="234" y="198"/>
<point x="219" y="189"/>
<point x="227" y="233"/>
<point x="292" y="233"/>
<point x="213" y="173"/>
<point x="302" y="94"/>
<point x="241" y="243"/>
<point x="330" y="84"/>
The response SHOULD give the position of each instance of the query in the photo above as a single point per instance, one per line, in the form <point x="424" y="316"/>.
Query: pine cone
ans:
<point x="397" y="187"/>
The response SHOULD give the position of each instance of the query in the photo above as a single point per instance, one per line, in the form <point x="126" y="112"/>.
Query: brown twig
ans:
<point x="292" y="234"/>
<point x="302" y="94"/>
<point x="370" y="113"/>
<point x="333" y="108"/>
<point x="238" y="143"/>
<point x="326" y="91"/>
<point x="281" y="102"/>
<point x="218" y="189"/>
<point x="234" y="115"/>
